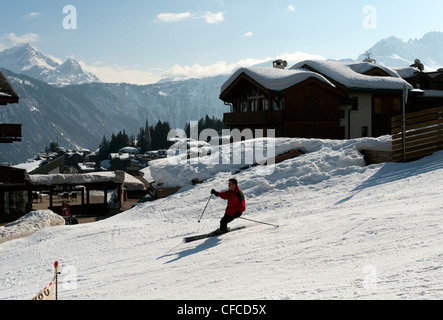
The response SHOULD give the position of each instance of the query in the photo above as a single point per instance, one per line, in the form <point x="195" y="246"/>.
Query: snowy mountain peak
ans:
<point x="26" y="59"/>
<point x="395" y="52"/>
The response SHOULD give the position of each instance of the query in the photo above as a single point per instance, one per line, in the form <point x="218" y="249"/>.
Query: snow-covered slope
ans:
<point x="346" y="231"/>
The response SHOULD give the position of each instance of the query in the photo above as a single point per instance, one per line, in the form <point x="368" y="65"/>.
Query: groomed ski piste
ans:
<point x="347" y="231"/>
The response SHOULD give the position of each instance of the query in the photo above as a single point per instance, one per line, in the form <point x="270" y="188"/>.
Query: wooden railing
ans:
<point x="253" y="117"/>
<point x="423" y="135"/>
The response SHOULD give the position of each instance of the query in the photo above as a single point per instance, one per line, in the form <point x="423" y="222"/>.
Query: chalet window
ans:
<point x="377" y="106"/>
<point x="256" y="101"/>
<point x="243" y="106"/>
<point x="252" y="102"/>
<point x="355" y="104"/>
<point x="277" y="104"/>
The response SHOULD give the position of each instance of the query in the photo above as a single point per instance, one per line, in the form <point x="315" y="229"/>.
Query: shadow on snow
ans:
<point x="204" y="245"/>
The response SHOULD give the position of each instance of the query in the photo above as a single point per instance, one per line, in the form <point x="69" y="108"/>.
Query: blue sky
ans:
<point x="141" y="41"/>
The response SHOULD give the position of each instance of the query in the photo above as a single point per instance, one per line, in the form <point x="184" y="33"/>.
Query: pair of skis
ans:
<point x="209" y="235"/>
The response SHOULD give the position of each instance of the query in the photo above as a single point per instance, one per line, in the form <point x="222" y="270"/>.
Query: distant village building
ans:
<point x="326" y="99"/>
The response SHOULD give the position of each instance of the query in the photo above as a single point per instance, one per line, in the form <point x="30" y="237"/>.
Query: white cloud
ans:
<point x="173" y="17"/>
<point x="212" y="18"/>
<point x="26" y="38"/>
<point x="248" y="34"/>
<point x="209" y="17"/>
<point x="222" y="67"/>
<point x="33" y="15"/>
<point x="9" y="40"/>
<point x="291" y="8"/>
<point x="119" y="74"/>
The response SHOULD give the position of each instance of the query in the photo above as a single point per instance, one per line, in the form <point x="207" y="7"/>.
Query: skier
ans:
<point x="236" y="204"/>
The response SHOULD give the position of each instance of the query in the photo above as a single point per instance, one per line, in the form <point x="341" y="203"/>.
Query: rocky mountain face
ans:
<point x="25" y="59"/>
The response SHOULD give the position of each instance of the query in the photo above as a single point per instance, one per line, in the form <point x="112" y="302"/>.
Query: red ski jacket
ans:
<point x="236" y="201"/>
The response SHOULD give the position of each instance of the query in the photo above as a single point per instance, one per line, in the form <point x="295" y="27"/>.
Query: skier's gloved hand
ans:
<point x="215" y="193"/>
<point x="237" y="214"/>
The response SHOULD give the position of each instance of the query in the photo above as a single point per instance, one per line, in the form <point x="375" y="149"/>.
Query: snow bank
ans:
<point x="30" y="223"/>
<point x="335" y="154"/>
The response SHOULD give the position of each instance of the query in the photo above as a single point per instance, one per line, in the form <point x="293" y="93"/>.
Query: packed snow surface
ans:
<point x="347" y="231"/>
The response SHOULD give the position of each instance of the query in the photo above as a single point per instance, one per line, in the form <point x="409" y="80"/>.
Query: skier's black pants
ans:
<point x="227" y="219"/>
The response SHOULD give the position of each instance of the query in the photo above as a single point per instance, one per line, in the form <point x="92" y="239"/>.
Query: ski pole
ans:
<point x="269" y="224"/>
<point x="205" y="208"/>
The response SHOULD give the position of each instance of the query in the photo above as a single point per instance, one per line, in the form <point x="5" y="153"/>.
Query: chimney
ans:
<point x="279" y="64"/>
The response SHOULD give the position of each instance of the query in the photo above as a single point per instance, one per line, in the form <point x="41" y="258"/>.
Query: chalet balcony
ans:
<point x="10" y="133"/>
<point x="253" y="118"/>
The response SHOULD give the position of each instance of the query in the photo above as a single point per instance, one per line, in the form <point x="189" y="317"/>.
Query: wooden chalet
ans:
<point x="288" y="101"/>
<point x="320" y="99"/>
<point x="428" y="89"/>
<point x="8" y="132"/>
<point x="17" y="190"/>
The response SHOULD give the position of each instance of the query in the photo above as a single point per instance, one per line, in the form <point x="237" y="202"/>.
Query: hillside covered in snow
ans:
<point x="347" y="231"/>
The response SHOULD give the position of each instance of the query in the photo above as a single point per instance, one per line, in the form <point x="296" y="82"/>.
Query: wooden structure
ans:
<point x="376" y="156"/>
<point x="8" y="132"/>
<point x="328" y="99"/>
<point x="308" y="108"/>
<point x="423" y="134"/>
<point x="427" y="80"/>
<point x="15" y="193"/>
<point x="17" y="188"/>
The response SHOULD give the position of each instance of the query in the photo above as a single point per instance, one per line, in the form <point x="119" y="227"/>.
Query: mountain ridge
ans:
<point x="395" y="52"/>
<point x="26" y="59"/>
<point x="78" y="116"/>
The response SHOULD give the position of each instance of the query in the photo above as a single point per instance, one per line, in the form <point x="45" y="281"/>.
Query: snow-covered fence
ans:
<point x="423" y="134"/>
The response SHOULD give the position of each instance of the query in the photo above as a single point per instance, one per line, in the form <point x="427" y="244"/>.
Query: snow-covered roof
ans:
<point x="407" y="72"/>
<point x="54" y="179"/>
<point x="131" y="150"/>
<point x="274" y="78"/>
<point x="30" y="165"/>
<point x="432" y="93"/>
<point x="129" y="181"/>
<point x="351" y="74"/>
